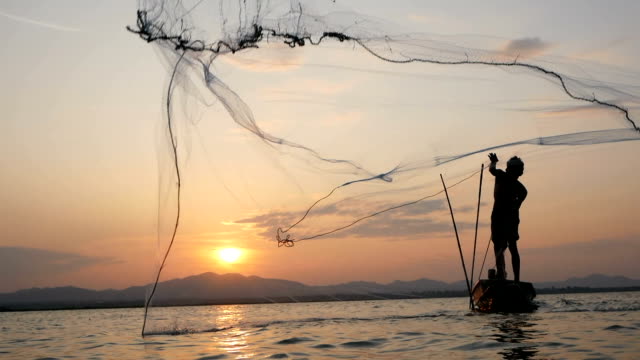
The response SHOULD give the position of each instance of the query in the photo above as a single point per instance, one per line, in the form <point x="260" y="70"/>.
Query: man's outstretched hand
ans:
<point x="493" y="157"/>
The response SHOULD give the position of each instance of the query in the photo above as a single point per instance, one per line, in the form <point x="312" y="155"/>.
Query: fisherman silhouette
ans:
<point x="508" y="195"/>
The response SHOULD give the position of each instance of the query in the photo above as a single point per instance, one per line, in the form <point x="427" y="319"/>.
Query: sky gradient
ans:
<point x="86" y="172"/>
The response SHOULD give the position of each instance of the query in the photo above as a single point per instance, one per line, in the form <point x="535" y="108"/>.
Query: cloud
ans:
<point x="525" y="47"/>
<point x="422" y="208"/>
<point x="598" y="247"/>
<point x="592" y="111"/>
<point x="589" y="110"/>
<point x="407" y="222"/>
<point x="22" y="266"/>
<point x="37" y="22"/>
<point x="397" y="227"/>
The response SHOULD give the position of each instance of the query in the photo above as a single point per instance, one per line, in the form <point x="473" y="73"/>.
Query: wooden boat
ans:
<point x="494" y="295"/>
<point x="506" y="296"/>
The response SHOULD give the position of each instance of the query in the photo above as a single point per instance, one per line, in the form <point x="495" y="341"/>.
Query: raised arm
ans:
<point x="492" y="167"/>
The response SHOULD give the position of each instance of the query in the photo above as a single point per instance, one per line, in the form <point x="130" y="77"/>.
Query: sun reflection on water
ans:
<point x="234" y="341"/>
<point x="228" y="316"/>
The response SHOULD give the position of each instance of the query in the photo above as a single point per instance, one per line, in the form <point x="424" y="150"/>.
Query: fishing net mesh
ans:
<point x="322" y="130"/>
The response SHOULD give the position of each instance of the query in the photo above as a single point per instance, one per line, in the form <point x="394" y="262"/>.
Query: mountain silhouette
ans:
<point x="211" y="288"/>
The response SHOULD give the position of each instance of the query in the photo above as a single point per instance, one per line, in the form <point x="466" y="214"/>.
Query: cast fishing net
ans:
<point x="294" y="121"/>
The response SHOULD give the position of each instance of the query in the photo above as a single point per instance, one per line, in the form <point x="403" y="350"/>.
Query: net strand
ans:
<point x="151" y="32"/>
<point x="174" y="148"/>
<point x="288" y="241"/>
<point x="514" y="63"/>
<point x="178" y="37"/>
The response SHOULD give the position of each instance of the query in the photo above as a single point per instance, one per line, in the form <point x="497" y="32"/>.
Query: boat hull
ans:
<point x="503" y="296"/>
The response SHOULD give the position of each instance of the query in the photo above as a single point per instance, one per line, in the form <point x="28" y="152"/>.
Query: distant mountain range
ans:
<point x="211" y="288"/>
<point x="591" y="281"/>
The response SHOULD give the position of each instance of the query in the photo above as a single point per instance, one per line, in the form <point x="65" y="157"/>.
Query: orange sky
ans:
<point x="86" y="171"/>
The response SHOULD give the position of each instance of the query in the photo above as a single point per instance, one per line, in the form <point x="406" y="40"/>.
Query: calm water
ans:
<point x="580" y="326"/>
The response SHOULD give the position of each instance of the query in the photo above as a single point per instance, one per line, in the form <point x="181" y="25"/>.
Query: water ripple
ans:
<point x="364" y="343"/>
<point x="293" y="340"/>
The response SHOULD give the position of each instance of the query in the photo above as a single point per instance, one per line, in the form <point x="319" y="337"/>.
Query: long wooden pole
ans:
<point x="475" y="236"/>
<point x="455" y="228"/>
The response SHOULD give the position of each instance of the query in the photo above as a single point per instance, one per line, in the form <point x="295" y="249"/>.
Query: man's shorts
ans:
<point x="504" y="229"/>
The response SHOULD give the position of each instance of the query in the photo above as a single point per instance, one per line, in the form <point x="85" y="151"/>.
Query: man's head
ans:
<point x="515" y="166"/>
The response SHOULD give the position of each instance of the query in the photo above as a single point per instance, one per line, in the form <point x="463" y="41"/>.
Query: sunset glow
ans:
<point x="229" y="255"/>
<point x="243" y="176"/>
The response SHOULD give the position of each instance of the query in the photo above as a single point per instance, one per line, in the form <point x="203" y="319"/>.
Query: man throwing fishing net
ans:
<point x="508" y="194"/>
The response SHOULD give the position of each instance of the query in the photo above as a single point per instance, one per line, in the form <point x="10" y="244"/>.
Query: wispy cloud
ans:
<point x="420" y="219"/>
<point x="38" y="22"/>
<point x="587" y="110"/>
<point x="597" y="246"/>
<point x="19" y="266"/>
<point x="525" y="47"/>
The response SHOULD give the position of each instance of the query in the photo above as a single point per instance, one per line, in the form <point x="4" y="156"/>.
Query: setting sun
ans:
<point x="229" y="255"/>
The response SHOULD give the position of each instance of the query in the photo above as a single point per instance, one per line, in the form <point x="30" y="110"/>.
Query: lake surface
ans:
<point x="571" y="326"/>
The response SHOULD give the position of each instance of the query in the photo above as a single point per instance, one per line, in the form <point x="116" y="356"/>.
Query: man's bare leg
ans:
<point x="515" y="260"/>
<point x="498" y="250"/>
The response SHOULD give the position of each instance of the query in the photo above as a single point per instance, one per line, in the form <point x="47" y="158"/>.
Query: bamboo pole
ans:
<point x="455" y="228"/>
<point x="475" y="236"/>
